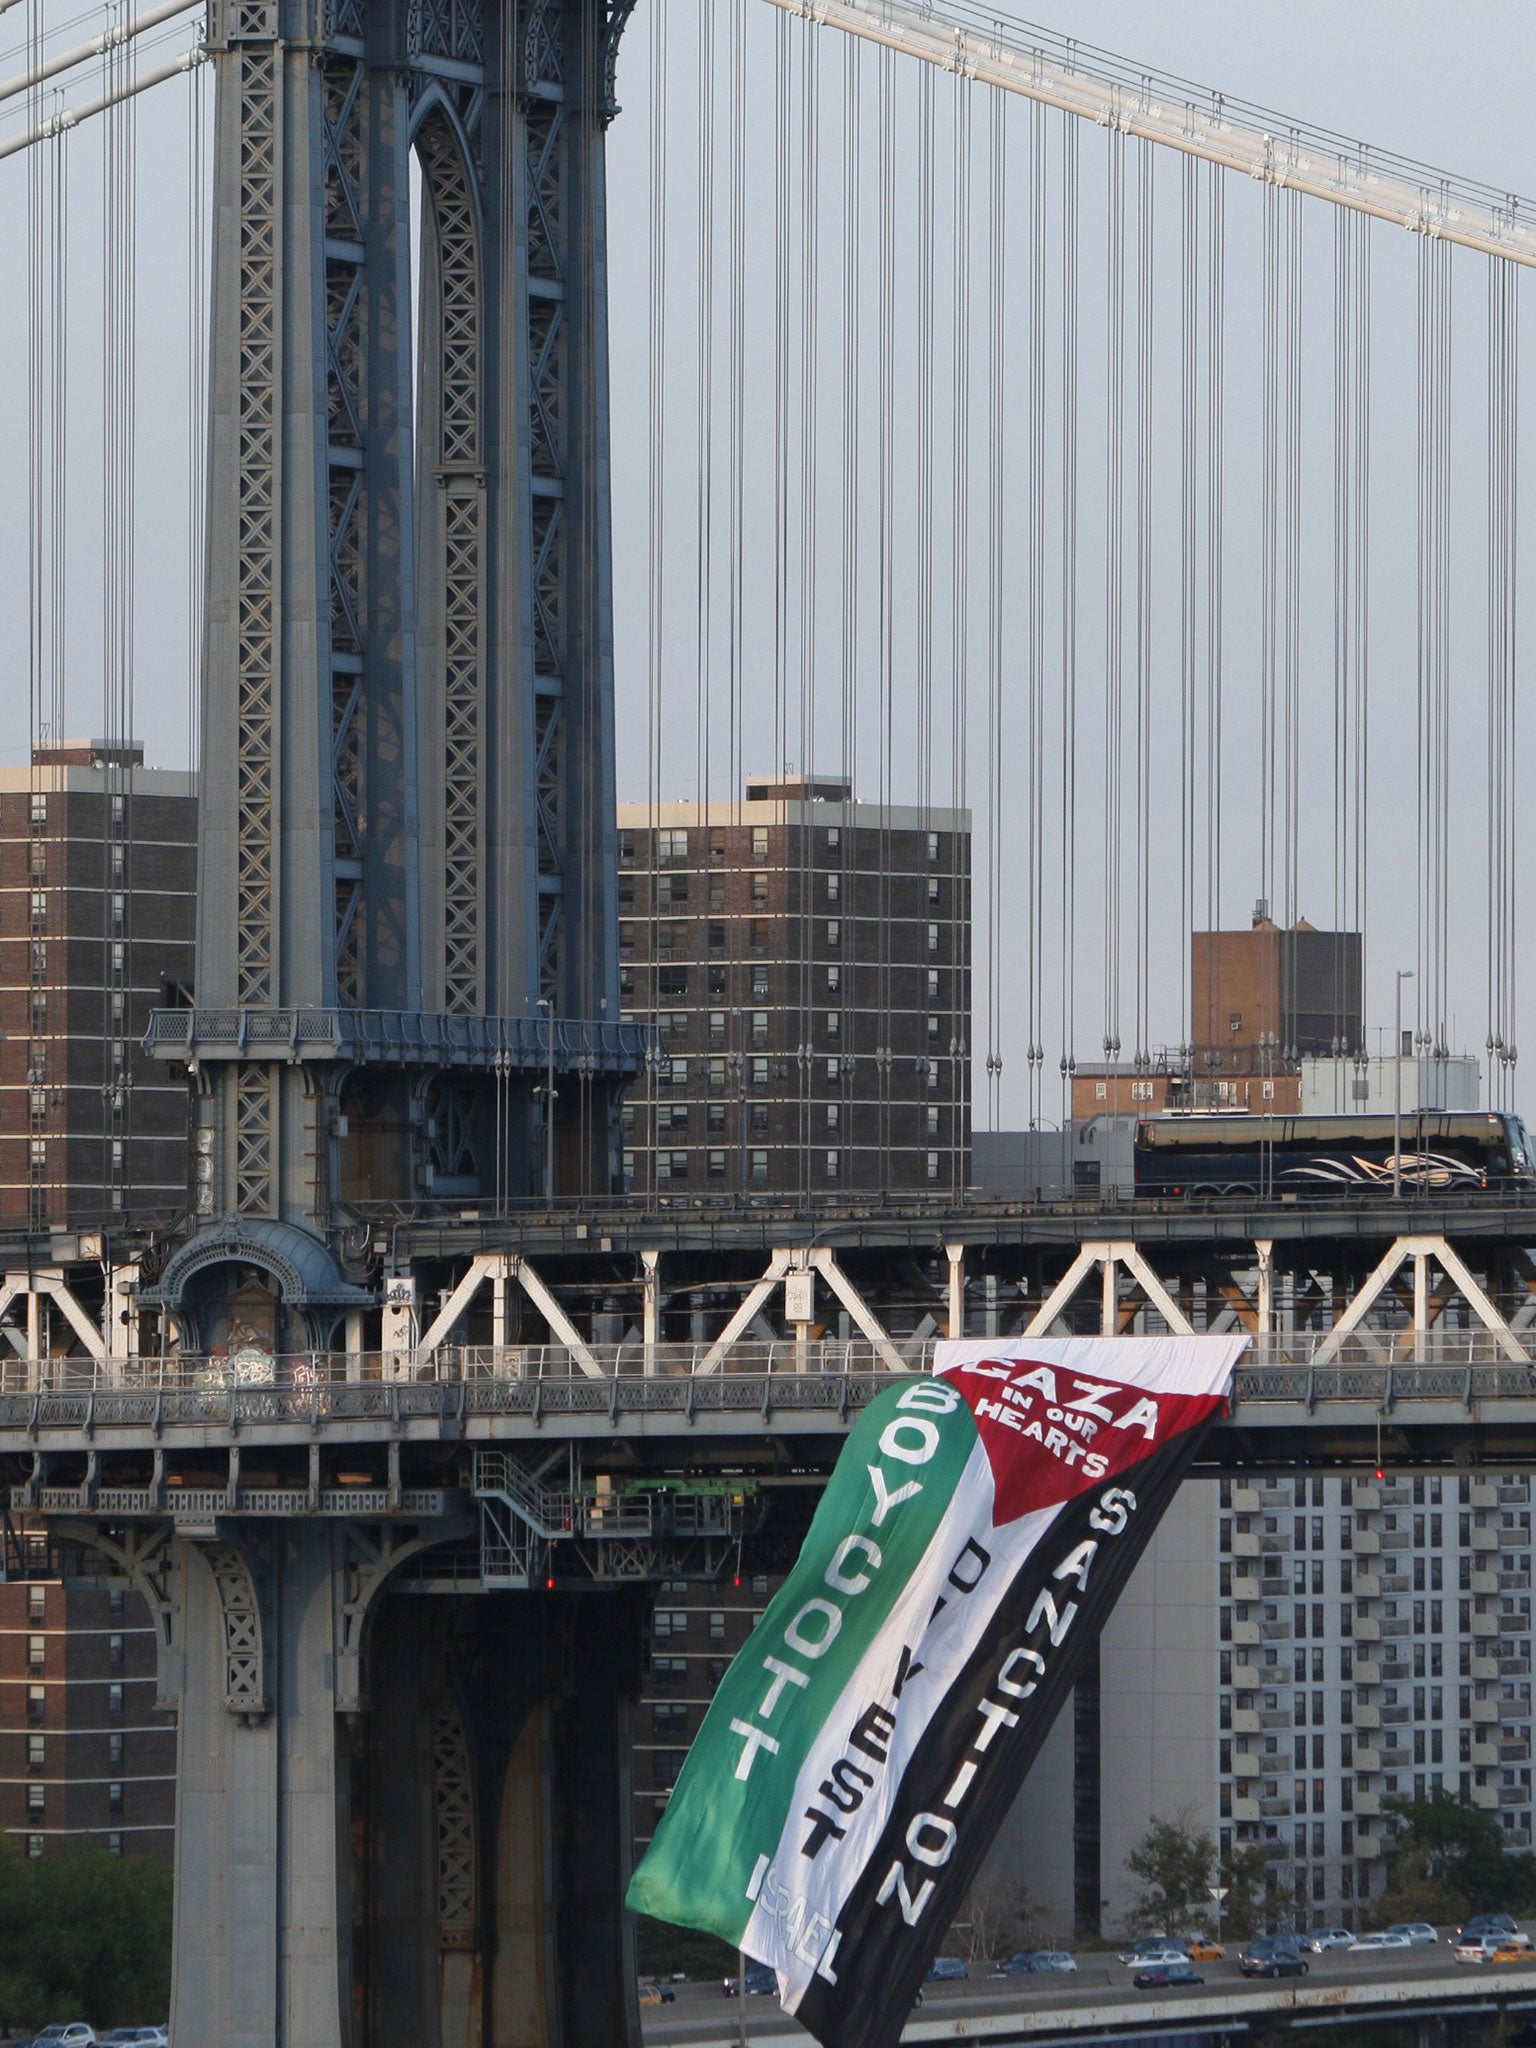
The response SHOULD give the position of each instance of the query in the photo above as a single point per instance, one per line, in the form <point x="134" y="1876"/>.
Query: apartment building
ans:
<point x="98" y="859"/>
<point x="805" y="959"/>
<point x="85" y="1757"/>
<point x="1291" y="1652"/>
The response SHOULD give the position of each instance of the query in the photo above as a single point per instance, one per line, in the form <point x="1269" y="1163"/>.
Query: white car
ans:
<point x="1477" y="1948"/>
<point x="66" y="2034"/>
<point x="1153" y="1955"/>
<point x="1390" y="1938"/>
<point x="1419" y="1932"/>
<point x="1322" y="1939"/>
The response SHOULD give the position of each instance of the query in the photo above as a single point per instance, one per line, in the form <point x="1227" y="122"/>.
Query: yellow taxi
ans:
<point x="1203" y="1950"/>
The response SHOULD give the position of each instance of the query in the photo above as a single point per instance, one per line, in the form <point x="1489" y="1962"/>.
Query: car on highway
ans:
<point x="1477" y="1948"/>
<point x="1419" y="1932"/>
<point x="139" y="2037"/>
<point x="944" y="1969"/>
<point x="1367" y="1944"/>
<point x="66" y="2034"/>
<point x="1201" y="1949"/>
<point x="1149" y="1954"/>
<point x="1152" y="1944"/>
<point x="1322" y="1940"/>
<point x="1273" y="1955"/>
<point x="1483" y="1923"/>
<point x="1512" y="1952"/>
<point x="759" y="1980"/>
<point x="1166" y="1976"/>
<point x="650" y="1994"/>
<point x="1030" y="1962"/>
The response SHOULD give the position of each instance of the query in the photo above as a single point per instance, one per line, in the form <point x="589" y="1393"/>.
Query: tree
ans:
<point x="1244" y="1909"/>
<point x="1447" y="1859"/>
<point x="83" y="1932"/>
<point x="1175" y="1862"/>
<point x="997" y="1917"/>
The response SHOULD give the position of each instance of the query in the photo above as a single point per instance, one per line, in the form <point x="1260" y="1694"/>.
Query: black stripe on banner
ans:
<point x="972" y="1760"/>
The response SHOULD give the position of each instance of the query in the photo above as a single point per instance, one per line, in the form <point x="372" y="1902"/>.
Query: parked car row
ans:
<point x="78" y="2034"/>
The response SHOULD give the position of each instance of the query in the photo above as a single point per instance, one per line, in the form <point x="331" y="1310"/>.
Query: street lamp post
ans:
<point x="1403" y="974"/>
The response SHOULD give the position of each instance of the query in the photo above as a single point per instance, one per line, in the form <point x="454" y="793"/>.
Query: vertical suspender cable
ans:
<point x="997" y="392"/>
<point x="810" y="425"/>
<point x="1270" y="548"/>
<point x="960" y="604"/>
<point x="1503" y="391"/>
<point x="852" y="586"/>
<point x="1189" y="574"/>
<point x="1145" y="515"/>
<point x="705" y="337"/>
<point x="1291" y="482"/>
<point x="656" y="525"/>
<point x="1036" y="887"/>
<point x="1114" y="619"/>
<point x="885" y="144"/>
<point x="1070" y="163"/>
<point x="1215" y="529"/>
<point x="737" y="405"/>
<point x="197" y="393"/>
<point x="781" y="287"/>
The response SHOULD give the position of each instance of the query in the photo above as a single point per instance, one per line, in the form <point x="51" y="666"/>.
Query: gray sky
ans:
<point x="1448" y="87"/>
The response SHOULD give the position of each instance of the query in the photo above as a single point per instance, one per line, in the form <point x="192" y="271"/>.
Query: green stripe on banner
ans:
<point x="878" y="1515"/>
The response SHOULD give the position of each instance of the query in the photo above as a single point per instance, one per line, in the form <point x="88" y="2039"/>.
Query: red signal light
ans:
<point x="1380" y="1474"/>
<point x="549" y="1585"/>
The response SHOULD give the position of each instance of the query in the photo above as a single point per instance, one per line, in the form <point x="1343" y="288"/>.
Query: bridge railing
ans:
<point x="1380" y="1366"/>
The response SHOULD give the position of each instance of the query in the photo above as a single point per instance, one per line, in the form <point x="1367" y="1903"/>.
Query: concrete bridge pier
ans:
<point x="403" y="1815"/>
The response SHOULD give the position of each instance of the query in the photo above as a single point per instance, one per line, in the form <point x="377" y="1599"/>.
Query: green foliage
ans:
<point x="1447" y="1859"/>
<point x="1174" y="1862"/>
<point x="83" y="1935"/>
<point x="663" y="1950"/>
<point x="1244" y="1909"/>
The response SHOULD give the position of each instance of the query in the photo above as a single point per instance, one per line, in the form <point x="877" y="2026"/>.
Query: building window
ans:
<point x="759" y="842"/>
<point x="1267" y="1094"/>
<point x="115" y="1701"/>
<point x="933" y="1119"/>
<point x="671" y="1166"/>
<point x="760" y="981"/>
<point x="834" y="1025"/>
<point x="759" y="1073"/>
<point x="39" y="906"/>
<point x="119" y="907"/>
<point x="34" y="1846"/>
<point x="717" y="1627"/>
<point x="37" y="1752"/>
<point x="37" y="1801"/>
<point x="671" y="893"/>
<point x="114" y="1800"/>
<point x="834" y="1116"/>
<point x="119" y="957"/>
<point x="933" y="892"/>
<point x="933" y="848"/>
<point x="114" y="1749"/>
<point x="717" y="1166"/>
<point x="933" y="938"/>
<point x="672" y="845"/>
<point x="1101" y="1091"/>
<point x="674" y="1025"/>
<point x="714" y="1119"/>
<point x="37" y="1652"/>
<point x="834" y="1166"/>
<point x="933" y="984"/>
<point x="114" y="1844"/>
<point x="39" y="807"/>
<point x="834" y="888"/>
<point x="716" y="844"/>
<point x="37" y="1703"/>
<point x="834" y="981"/>
<point x="759" y="1169"/>
<point x="114" y="1653"/>
<point x="37" y="1603"/>
<point x="626" y="849"/>
<point x="933" y="1166"/>
<point x="759" y="937"/>
<point x="834" y="1072"/>
<point x="834" y="839"/>
<point x="1141" y="1091"/>
<point x="672" y="984"/>
<point x="717" y="1074"/>
<point x="933" y="1029"/>
<point x="834" y="931"/>
<point x="717" y="1027"/>
<point x="759" y="892"/>
<point x="714" y="939"/>
<point x="759" y="1027"/>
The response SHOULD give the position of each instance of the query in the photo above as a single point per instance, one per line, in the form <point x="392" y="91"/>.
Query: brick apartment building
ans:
<point x="98" y="859"/>
<point x="806" y="961"/>
<point x="1261" y="1002"/>
<point x="84" y="1755"/>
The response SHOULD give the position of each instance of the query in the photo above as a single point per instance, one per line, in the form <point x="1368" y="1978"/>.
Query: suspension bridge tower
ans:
<point x="401" y="1822"/>
<point x="407" y="969"/>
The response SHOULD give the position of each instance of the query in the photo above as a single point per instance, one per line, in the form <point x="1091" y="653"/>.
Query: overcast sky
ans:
<point x="1450" y="87"/>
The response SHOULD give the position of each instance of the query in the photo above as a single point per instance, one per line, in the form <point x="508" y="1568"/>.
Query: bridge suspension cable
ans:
<point x="977" y="42"/>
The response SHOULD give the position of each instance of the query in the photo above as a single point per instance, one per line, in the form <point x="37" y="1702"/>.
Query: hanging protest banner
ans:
<point x="865" y="1745"/>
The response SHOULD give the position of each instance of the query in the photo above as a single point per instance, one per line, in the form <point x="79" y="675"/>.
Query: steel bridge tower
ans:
<point x="406" y="866"/>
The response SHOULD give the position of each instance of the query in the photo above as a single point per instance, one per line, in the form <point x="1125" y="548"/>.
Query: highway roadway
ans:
<point x="1100" y="1996"/>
